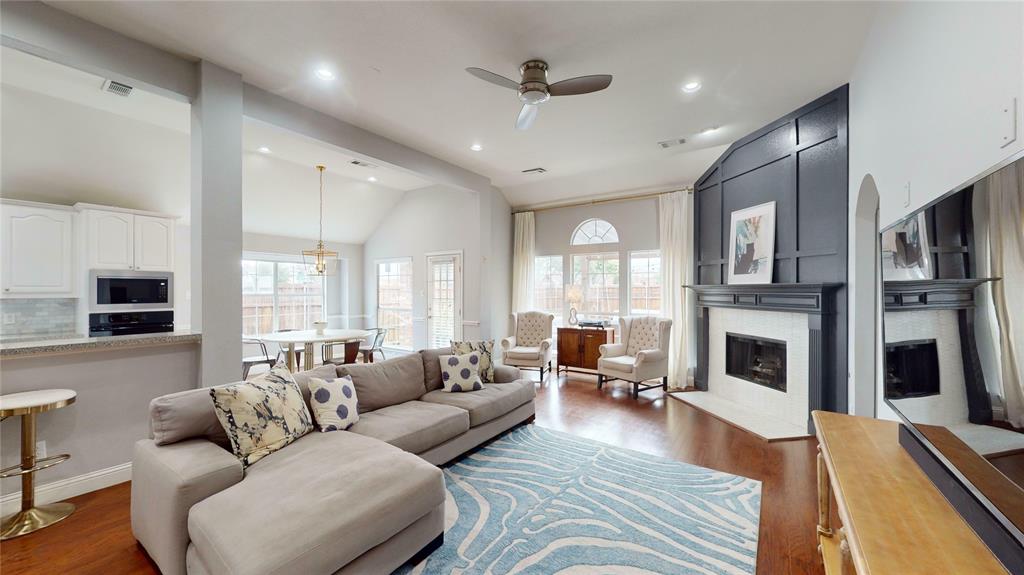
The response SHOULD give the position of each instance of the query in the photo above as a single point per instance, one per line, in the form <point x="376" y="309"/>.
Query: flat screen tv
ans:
<point x="953" y="329"/>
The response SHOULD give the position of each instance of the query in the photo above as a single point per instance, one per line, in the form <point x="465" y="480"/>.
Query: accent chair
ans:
<point x="640" y="355"/>
<point x="530" y="346"/>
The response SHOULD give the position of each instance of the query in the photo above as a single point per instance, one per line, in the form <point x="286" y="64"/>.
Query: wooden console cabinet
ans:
<point x="893" y="518"/>
<point x="579" y="348"/>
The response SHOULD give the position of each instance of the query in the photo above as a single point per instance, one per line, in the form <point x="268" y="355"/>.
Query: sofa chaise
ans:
<point x="365" y="500"/>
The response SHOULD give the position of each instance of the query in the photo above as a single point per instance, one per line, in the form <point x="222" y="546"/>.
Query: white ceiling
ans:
<point x="400" y="74"/>
<point x="64" y="140"/>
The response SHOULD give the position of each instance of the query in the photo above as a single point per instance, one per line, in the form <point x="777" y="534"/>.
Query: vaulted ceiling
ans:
<point x="400" y="73"/>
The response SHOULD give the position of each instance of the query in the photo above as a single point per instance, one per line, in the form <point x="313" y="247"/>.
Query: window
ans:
<point x="594" y="231"/>
<point x="598" y="276"/>
<point x="645" y="283"/>
<point x="279" y="295"/>
<point x="394" y="302"/>
<point x="548" y="286"/>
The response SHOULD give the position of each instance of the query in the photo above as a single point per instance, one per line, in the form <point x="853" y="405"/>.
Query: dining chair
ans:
<point x="376" y="344"/>
<point x="350" y="355"/>
<point x="282" y="349"/>
<point x="249" y="361"/>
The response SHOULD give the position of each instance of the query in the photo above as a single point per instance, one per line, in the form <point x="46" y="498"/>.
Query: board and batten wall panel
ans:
<point x="800" y="162"/>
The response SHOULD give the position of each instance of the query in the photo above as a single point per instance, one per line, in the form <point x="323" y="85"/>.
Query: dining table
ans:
<point x="308" y="338"/>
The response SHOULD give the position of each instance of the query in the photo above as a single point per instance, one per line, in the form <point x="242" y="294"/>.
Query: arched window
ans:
<point x="594" y="231"/>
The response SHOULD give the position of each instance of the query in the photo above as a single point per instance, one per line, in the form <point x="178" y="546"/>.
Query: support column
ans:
<point x="216" y="214"/>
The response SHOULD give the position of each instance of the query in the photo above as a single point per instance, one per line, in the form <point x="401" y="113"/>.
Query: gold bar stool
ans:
<point x="28" y="404"/>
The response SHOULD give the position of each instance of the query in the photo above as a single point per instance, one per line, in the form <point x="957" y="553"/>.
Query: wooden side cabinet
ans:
<point x="579" y="348"/>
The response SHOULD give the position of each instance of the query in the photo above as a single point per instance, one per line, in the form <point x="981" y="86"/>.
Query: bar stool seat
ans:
<point x="28" y="404"/>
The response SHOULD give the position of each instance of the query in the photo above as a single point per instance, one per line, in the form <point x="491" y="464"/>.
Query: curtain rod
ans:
<point x="602" y="201"/>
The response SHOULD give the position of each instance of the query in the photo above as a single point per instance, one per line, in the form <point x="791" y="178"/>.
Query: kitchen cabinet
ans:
<point x="36" y="249"/>
<point x="117" y="240"/>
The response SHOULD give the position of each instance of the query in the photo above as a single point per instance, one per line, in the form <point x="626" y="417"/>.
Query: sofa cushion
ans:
<point x="461" y="372"/>
<point x="324" y="372"/>
<point x="314" y="506"/>
<point x="622" y="363"/>
<point x="485" y="349"/>
<point x="523" y="352"/>
<point x="414" y="426"/>
<point x="432" y="367"/>
<point x="494" y="400"/>
<point x="386" y="383"/>
<point x="263" y="415"/>
<point x="185" y="415"/>
<point x="334" y="403"/>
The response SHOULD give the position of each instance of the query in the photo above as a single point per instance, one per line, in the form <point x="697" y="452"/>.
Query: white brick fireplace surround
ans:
<point x="790" y="405"/>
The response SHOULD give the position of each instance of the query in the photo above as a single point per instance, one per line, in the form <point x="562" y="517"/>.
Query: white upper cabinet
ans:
<point x="110" y="240"/>
<point x="154" y="244"/>
<point x="36" y="250"/>
<point x="126" y="241"/>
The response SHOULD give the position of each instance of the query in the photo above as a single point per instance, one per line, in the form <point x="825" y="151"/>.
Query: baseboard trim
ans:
<point x="70" y="487"/>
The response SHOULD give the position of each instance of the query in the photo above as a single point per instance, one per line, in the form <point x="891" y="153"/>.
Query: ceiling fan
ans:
<point x="535" y="90"/>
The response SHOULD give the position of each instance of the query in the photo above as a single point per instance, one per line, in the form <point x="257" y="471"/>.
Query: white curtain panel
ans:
<point x="674" y="232"/>
<point x="522" y="263"/>
<point x="1006" y="245"/>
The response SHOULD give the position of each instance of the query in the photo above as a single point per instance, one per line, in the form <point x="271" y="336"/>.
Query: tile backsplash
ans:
<point x="45" y="316"/>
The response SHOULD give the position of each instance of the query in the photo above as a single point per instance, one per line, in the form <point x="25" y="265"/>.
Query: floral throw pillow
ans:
<point x="334" y="403"/>
<point x="262" y="415"/>
<point x="461" y="372"/>
<point x="486" y="351"/>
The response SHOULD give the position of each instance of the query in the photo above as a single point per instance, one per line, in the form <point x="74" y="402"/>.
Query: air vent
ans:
<point x="362" y="164"/>
<point x="670" y="143"/>
<point x="535" y="171"/>
<point x="117" y="88"/>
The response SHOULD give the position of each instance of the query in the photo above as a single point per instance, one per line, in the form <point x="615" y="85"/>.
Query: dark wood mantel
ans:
<point x="813" y="298"/>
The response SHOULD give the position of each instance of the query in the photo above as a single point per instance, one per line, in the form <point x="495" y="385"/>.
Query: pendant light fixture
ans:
<point x="316" y="260"/>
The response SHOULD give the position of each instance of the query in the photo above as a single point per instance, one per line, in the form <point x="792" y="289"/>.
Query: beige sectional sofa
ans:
<point x="364" y="500"/>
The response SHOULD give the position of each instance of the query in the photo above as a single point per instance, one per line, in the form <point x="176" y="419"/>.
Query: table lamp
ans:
<point x="574" y="295"/>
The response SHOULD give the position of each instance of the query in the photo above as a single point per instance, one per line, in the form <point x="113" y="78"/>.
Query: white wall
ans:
<point x="635" y="220"/>
<point x="927" y="101"/>
<point x="441" y="218"/>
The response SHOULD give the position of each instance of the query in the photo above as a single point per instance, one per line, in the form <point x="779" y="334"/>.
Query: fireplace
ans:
<point x="757" y="360"/>
<point x="911" y="369"/>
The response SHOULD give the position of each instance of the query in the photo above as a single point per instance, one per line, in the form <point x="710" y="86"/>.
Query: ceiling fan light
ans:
<point x="534" y="96"/>
<point x="691" y="87"/>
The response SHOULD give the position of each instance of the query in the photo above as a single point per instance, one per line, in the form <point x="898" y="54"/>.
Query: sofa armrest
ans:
<point x="508" y="343"/>
<point x="166" y="482"/>
<point x="506" y="374"/>
<point x="612" y="349"/>
<point x="650" y="356"/>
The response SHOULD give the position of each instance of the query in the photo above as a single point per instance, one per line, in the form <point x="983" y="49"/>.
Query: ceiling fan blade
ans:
<point x="580" y="85"/>
<point x="526" y="116"/>
<point x="493" y="78"/>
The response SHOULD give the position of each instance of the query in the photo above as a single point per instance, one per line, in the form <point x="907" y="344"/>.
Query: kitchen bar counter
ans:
<point x="57" y="345"/>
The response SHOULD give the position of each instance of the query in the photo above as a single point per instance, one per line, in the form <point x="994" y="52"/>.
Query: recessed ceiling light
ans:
<point x="476" y="147"/>
<point x="371" y="179"/>
<point x="263" y="150"/>
<point x="691" y="87"/>
<point x="710" y="130"/>
<point x="324" y="74"/>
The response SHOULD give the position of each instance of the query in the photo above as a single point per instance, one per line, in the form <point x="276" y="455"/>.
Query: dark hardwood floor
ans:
<point x="98" y="539"/>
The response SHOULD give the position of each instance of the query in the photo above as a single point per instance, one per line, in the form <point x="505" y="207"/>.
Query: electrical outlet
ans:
<point x="40" y="449"/>
<point x="906" y="198"/>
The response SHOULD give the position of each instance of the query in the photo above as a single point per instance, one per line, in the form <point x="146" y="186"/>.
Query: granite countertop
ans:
<point x="74" y="343"/>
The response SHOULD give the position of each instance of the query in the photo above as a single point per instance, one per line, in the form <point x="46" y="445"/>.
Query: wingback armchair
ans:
<point x="530" y="346"/>
<point x="640" y="355"/>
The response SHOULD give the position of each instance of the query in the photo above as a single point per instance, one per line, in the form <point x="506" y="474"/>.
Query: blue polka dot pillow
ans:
<point x="333" y="402"/>
<point x="461" y="372"/>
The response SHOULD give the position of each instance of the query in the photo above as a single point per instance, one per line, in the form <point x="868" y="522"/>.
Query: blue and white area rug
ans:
<point x="537" y="501"/>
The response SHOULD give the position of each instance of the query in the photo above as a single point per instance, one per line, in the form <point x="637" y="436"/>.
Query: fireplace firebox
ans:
<point x="911" y="369"/>
<point x="757" y="360"/>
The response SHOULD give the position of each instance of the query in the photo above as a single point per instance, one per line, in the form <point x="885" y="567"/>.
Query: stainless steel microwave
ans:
<point x="122" y="290"/>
